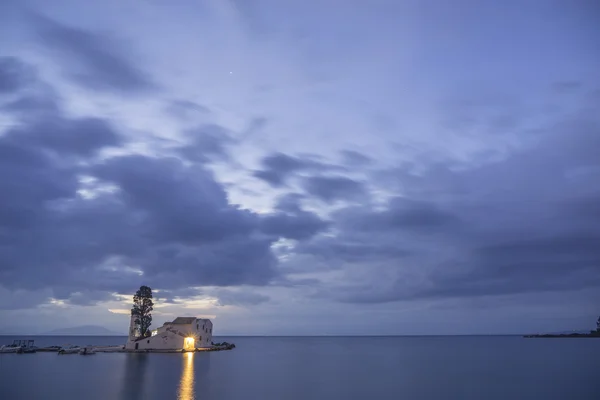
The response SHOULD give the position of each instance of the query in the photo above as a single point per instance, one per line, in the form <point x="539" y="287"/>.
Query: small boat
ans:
<point x="86" y="351"/>
<point x="27" y="350"/>
<point x="69" y="350"/>
<point x="9" y="349"/>
<point x="25" y="346"/>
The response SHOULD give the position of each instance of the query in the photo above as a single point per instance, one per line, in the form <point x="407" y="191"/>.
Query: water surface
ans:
<point x="276" y="368"/>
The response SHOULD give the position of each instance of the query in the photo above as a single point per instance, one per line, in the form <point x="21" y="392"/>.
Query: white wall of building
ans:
<point x="171" y="336"/>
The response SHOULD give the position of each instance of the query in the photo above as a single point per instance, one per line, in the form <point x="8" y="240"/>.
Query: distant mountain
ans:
<point x="87" y="330"/>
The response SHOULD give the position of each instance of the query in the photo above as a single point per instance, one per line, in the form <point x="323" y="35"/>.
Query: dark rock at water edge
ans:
<point x="592" y="334"/>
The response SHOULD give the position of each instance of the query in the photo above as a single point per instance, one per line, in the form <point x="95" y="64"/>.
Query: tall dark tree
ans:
<point x="598" y="325"/>
<point x="142" y="309"/>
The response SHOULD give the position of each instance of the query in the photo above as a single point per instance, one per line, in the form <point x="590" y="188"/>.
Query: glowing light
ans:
<point x="186" y="383"/>
<point x="188" y="343"/>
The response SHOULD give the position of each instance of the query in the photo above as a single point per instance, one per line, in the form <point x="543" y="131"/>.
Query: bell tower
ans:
<point x="134" y="328"/>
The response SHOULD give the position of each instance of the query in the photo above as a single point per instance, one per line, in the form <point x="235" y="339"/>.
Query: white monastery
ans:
<point x="184" y="333"/>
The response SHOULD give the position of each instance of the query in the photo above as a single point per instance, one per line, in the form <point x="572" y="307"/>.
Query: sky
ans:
<point x="301" y="167"/>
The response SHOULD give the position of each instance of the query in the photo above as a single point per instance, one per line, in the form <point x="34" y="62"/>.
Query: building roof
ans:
<point x="184" y="320"/>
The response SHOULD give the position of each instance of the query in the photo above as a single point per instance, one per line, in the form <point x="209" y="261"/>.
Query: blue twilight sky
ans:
<point x="301" y="167"/>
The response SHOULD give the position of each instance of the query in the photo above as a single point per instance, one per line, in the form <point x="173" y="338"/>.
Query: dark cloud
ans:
<point x="298" y="226"/>
<point x="330" y="189"/>
<point x="39" y="159"/>
<point x="21" y="299"/>
<point x="278" y="168"/>
<point x="400" y="213"/>
<point x="14" y="74"/>
<point x="29" y="105"/>
<point x="525" y="223"/>
<point x="93" y="60"/>
<point x="80" y="137"/>
<point x="291" y="221"/>
<point x="355" y="159"/>
<point x="346" y="250"/>
<point x="239" y="298"/>
<point x="164" y="221"/>
<point x="207" y="143"/>
<point x="171" y="222"/>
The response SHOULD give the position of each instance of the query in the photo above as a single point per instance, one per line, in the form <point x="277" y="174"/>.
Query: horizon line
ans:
<point x="292" y="336"/>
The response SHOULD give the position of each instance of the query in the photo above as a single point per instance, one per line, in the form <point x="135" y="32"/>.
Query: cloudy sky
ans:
<point x="301" y="167"/>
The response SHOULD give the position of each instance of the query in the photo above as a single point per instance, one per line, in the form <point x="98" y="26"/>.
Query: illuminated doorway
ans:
<point x="189" y="343"/>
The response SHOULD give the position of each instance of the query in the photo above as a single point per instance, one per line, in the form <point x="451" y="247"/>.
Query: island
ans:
<point x="183" y="334"/>
<point x="591" y="334"/>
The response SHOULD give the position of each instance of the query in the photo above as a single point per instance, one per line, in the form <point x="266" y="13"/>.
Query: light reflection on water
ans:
<point x="186" y="383"/>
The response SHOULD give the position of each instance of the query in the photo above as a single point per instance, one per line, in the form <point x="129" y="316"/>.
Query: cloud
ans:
<point x="291" y="221"/>
<point x="93" y="60"/>
<point x="355" y="159"/>
<point x="83" y="297"/>
<point x="207" y="143"/>
<point x="400" y="213"/>
<point x="22" y="299"/>
<point x="278" y="168"/>
<point x="332" y="188"/>
<point x="81" y="137"/>
<point x="71" y="220"/>
<point x="299" y="225"/>
<point x="339" y="250"/>
<point x="229" y="297"/>
<point x="524" y="223"/>
<point x="186" y="109"/>
<point x="14" y="75"/>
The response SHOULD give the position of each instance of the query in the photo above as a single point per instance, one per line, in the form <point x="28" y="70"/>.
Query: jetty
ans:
<point x="122" y="349"/>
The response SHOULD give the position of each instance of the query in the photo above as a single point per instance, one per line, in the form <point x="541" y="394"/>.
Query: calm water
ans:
<point x="277" y="368"/>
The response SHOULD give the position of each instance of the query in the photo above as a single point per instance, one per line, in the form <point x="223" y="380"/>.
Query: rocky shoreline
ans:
<point x="594" y="334"/>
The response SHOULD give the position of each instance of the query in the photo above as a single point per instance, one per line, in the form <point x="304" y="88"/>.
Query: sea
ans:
<point x="302" y="368"/>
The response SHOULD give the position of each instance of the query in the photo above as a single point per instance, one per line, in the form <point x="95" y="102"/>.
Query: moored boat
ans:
<point x="69" y="350"/>
<point x="27" y="350"/>
<point x="25" y="346"/>
<point x="9" y="349"/>
<point x="86" y="351"/>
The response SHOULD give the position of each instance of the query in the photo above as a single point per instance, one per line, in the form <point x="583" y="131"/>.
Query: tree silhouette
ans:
<point x="142" y="308"/>
<point x="598" y="325"/>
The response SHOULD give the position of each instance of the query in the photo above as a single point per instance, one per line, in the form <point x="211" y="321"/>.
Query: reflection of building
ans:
<point x="184" y="333"/>
<point x="134" y="378"/>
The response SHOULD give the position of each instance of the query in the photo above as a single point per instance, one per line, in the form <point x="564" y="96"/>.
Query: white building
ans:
<point x="184" y="333"/>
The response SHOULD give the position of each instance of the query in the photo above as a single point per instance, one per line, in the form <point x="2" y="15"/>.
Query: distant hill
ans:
<point x="87" y="330"/>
